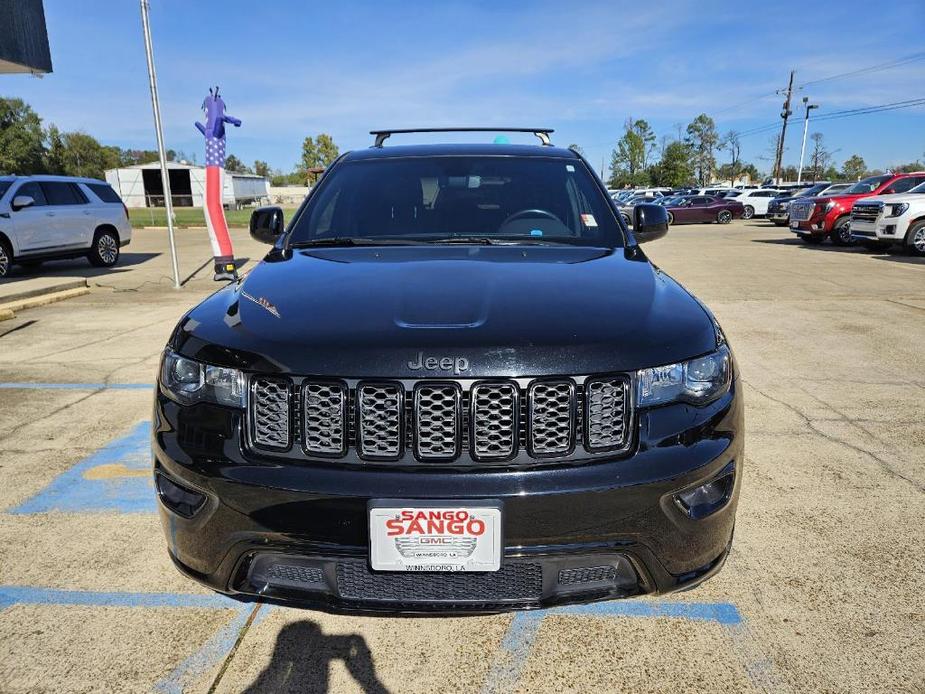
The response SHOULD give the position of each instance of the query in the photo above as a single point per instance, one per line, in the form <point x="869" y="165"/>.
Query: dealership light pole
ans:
<point x="808" y="106"/>
<point x="156" y="106"/>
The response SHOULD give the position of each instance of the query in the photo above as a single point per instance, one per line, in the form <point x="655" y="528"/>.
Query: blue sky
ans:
<point x="293" y="68"/>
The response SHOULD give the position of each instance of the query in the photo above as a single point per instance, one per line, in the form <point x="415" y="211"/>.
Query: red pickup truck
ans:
<point x="812" y="219"/>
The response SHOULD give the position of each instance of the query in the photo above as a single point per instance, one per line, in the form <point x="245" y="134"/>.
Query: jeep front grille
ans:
<point x="380" y="413"/>
<point x="606" y="414"/>
<point x="270" y="409"/>
<point x="494" y="421"/>
<point x="550" y="418"/>
<point x="482" y="421"/>
<point x="324" y="410"/>
<point x="437" y="417"/>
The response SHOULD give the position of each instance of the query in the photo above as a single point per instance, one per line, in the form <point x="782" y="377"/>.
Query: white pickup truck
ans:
<point x="891" y="219"/>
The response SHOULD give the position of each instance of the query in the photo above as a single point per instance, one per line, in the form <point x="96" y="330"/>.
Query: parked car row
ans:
<point x="54" y="217"/>
<point x="877" y="212"/>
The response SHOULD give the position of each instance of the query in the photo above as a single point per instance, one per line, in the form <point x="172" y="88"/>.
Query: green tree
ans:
<point x="21" y="138"/>
<point x="703" y="139"/>
<point x="232" y="163"/>
<point x="854" y="168"/>
<point x="328" y="150"/>
<point x="674" y="168"/>
<point x="261" y="168"/>
<point x="630" y="159"/>
<point x="78" y="154"/>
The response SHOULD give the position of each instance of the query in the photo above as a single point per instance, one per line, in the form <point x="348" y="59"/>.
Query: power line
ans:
<point x="835" y="115"/>
<point x="897" y="62"/>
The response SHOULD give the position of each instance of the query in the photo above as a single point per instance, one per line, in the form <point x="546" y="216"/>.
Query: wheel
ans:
<point x="841" y="232"/>
<point x="748" y="212"/>
<point x="105" y="249"/>
<point x="626" y="219"/>
<point x="724" y="217"/>
<point x="6" y="259"/>
<point x="670" y="219"/>
<point x="811" y="240"/>
<point x="915" y="239"/>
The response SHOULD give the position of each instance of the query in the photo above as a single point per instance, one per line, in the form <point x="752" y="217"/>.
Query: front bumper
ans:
<point x="890" y="230"/>
<point x="298" y="533"/>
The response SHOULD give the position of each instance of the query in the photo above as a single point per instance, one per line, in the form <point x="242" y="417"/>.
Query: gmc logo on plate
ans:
<point x="455" y="364"/>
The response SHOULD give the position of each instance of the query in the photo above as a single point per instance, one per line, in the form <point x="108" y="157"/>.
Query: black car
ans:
<point x="455" y="383"/>
<point x="779" y="207"/>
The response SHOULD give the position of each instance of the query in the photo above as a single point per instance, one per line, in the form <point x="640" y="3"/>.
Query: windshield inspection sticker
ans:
<point x="588" y="220"/>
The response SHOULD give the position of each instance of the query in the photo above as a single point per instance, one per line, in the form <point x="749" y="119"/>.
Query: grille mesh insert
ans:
<point x="270" y="410"/>
<point x="379" y="408"/>
<point x="323" y="408"/>
<point x="494" y="420"/>
<point x="295" y="574"/>
<point x="606" y="414"/>
<point x="515" y="581"/>
<point x="588" y="574"/>
<point x="551" y="418"/>
<point x="437" y="416"/>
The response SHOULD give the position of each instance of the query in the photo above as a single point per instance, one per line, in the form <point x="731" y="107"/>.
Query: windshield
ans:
<point x="868" y="185"/>
<point x="444" y="198"/>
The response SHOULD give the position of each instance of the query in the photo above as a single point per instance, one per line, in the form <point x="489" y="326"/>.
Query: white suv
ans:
<point x="887" y="219"/>
<point x="54" y="217"/>
<point x="755" y="200"/>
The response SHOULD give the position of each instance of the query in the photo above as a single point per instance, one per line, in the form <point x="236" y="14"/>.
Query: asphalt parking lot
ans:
<point x="824" y="590"/>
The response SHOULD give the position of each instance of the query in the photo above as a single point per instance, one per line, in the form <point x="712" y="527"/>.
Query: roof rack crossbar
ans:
<point x="383" y="135"/>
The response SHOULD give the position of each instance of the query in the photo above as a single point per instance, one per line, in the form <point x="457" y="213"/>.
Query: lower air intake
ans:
<point x="514" y="582"/>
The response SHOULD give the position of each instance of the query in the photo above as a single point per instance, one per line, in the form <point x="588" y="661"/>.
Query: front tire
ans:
<point x="748" y="212"/>
<point x="841" y="232"/>
<point x="915" y="239"/>
<point x="724" y="217"/>
<point x="6" y="259"/>
<point x="105" y="249"/>
<point x="670" y="219"/>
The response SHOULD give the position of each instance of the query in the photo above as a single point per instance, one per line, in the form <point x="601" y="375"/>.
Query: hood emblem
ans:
<point x="446" y="363"/>
<point x="262" y="302"/>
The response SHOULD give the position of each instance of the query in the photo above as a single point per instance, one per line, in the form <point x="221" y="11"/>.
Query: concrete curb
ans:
<point x="41" y="297"/>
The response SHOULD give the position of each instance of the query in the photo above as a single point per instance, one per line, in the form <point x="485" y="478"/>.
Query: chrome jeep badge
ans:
<point x="455" y="364"/>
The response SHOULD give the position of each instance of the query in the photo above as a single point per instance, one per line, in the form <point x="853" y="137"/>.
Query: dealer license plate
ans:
<point x="434" y="536"/>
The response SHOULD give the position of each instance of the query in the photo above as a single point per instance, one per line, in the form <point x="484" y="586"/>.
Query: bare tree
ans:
<point x="821" y="158"/>
<point x="731" y="144"/>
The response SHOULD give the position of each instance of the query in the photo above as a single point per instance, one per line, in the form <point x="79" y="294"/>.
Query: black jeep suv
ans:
<point x="455" y="383"/>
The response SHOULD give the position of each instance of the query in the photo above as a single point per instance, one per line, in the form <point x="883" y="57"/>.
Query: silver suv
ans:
<point x="54" y="217"/>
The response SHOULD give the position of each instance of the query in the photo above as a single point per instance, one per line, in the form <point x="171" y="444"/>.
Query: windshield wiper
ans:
<point x="348" y="241"/>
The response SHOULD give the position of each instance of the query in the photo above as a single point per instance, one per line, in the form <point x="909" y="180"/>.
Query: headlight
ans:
<point x="898" y="209"/>
<point x="697" y="381"/>
<point x="188" y="381"/>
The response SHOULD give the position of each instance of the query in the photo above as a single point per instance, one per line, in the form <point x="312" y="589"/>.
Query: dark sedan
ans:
<point x="699" y="209"/>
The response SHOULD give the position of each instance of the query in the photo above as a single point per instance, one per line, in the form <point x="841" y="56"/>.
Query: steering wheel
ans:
<point x="530" y="213"/>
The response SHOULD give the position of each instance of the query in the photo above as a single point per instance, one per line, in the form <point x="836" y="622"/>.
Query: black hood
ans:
<point x="503" y="310"/>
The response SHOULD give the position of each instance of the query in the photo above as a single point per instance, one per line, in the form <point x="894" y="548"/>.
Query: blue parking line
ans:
<point x="518" y="641"/>
<point x="76" y="386"/>
<point x="29" y="595"/>
<point x="117" y="478"/>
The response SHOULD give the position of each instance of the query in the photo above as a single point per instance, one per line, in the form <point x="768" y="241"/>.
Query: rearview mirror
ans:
<point x="267" y="224"/>
<point x="650" y="222"/>
<point x="21" y="201"/>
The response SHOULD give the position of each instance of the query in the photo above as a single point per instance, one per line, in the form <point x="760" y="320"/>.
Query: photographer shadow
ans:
<point x="301" y="661"/>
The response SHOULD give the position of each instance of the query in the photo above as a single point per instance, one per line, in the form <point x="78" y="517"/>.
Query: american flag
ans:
<point x="215" y="151"/>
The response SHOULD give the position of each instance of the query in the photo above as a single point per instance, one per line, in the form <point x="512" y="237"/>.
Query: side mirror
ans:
<point x="21" y="201"/>
<point x="267" y="224"/>
<point x="650" y="222"/>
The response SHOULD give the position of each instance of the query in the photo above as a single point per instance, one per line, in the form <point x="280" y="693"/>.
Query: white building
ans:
<point x="140" y="186"/>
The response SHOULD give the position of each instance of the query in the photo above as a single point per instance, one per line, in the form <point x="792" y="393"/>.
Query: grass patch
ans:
<point x="190" y="216"/>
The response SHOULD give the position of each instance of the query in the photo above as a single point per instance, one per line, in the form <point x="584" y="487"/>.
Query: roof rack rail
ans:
<point x="383" y="135"/>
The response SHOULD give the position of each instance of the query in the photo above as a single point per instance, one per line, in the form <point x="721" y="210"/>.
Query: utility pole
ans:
<point x="785" y="114"/>
<point x="808" y="106"/>
<point x="156" y="106"/>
